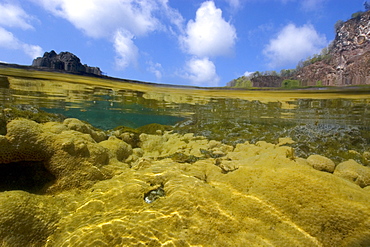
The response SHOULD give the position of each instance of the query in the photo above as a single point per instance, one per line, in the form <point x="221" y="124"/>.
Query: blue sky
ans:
<point x="187" y="42"/>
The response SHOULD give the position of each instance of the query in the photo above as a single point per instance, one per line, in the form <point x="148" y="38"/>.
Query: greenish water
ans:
<point x="324" y="122"/>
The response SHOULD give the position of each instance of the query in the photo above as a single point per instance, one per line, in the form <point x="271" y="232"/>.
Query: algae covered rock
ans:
<point x="30" y="112"/>
<point x="353" y="171"/>
<point x="119" y="149"/>
<point x="26" y="219"/>
<point x="321" y="163"/>
<point x="75" y="124"/>
<point x="72" y="157"/>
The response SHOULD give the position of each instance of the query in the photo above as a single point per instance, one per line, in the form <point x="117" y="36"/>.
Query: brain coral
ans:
<point x="26" y="219"/>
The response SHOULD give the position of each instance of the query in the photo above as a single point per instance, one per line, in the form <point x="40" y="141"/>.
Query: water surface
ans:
<point x="323" y="121"/>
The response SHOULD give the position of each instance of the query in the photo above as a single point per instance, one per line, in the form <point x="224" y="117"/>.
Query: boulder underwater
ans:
<point x="108" y="193"/>
<point x="71" y="156"/>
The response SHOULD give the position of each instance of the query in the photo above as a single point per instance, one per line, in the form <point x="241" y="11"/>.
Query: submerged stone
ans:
<point x="355" y="172"/>
<point x="153" y="195"/>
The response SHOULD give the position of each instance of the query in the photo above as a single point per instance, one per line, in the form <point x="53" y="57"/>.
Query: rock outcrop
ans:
<point x="348" y="60"/>
<point x="65" y="61"/>
<point x="267" y="81"/>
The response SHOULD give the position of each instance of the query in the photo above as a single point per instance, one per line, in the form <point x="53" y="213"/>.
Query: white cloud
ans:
<point x="201" y="72"/>
<point x="293" y="44"/>
<point x="155" y="68"/>
<point x="14" y="16"/>
<point x="125" y="48"/>
<point x="32" y="51"/>
<point x="118" y="21"/>
<point x="247" y="73"/>
<point x="9" y="41"/>
<point x="173" y="15"/>
<point x="209" y="35"/>
<point x="102" y="18"/>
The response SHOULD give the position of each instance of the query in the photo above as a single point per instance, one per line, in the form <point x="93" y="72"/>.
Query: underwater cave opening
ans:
<point x="30" y="176"/>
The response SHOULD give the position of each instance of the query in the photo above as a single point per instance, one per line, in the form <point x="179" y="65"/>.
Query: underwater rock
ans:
<point x="30" y="112"/>
<point x="353" y="171"/>
<point x="26" y="219"/>
<point x="120" y="150"/>
<point x="321" y="163"/>
<point x="75" y="124"/>
<point x="153" y="195"/>
<point x="154" y="128"/>
<point x="73" y="158"/>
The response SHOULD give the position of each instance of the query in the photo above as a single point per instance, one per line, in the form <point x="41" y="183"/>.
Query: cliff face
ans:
<point x="64" y="61"/>
<point x="267" y="81"/>
<point x="349" y="57"/>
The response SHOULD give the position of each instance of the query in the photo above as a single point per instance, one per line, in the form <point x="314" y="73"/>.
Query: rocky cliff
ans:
<point x="348" y="58"/>
<point x="65" y="61"/>
<point x="267" y="81"/>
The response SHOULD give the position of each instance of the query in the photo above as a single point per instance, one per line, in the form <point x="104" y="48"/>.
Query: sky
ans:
<point x="182" y="42"/>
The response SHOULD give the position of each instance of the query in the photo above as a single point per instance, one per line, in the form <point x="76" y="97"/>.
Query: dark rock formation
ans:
<point x="65" y="61"/>
<point x="349" y="57"/>
<point x="267" y="81"/>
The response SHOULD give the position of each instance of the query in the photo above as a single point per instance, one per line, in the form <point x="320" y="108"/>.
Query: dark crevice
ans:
<point x="28" y="176"/>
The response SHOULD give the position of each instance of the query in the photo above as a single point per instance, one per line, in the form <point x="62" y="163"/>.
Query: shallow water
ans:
<point x="328" y="121"/>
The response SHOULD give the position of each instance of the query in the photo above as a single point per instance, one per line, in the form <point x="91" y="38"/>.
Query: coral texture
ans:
<point x="68" y="151"/>
<point x="176" y="190"/>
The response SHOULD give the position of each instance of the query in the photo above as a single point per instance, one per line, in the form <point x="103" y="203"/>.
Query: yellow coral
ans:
<point x="353" y="171"/>
<point x="74" y="158"/>
<point x="321" y="163"/>
<point x="250" y="195"/>
<point x="119" y="149"/>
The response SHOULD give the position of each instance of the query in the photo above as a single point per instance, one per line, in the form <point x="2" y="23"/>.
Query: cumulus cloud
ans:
<point x="116" y="20"/>
<point x="201" y="72"/>
<point x="9" y="41"/>
<point x="293" y="44"/>
<point x="14" y="16"/>
<point x="102" y="18"/>
<point x="125" y="48"/>
<point x="209" y="34"/>
<point x="33" y="51"/>
<point x="173" y="15"/>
